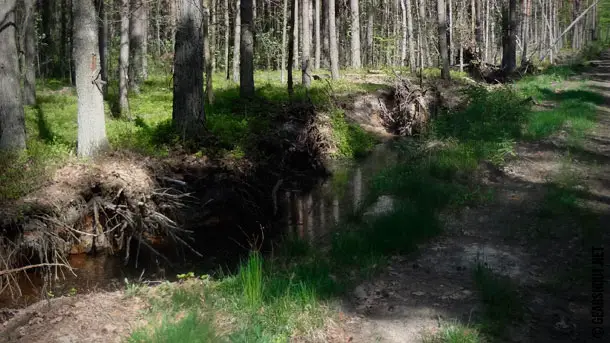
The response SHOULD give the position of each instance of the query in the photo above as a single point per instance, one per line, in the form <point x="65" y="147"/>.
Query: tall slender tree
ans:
<point x="306" y="63"/>
<point x="29" y="58"/>
<point x="284" y="33"/>
<point x="12" y="116"/>
<point x="509" y="39"/>
<point x="124" y="59"/>
<point x="236" y="42"/>
<point x="246" y="66"/>
<point x="442" y="39"/>
<point x="318" y="49"/>
<point x="410" y="33"/>
<point x="332" y="41"/>
<point x="137" y="38"/>
<point x="90" y="104"/>
<point x="227" y="29"/>
<point x="188" y="113"/>
<point x="355" y="32"/>
<point x="207" y="52"/>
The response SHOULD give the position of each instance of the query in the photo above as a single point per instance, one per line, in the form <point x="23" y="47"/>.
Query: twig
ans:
<point x="16" y="270"/>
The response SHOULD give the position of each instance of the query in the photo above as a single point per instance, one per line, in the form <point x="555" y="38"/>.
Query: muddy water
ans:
<point x="311" y="216"/>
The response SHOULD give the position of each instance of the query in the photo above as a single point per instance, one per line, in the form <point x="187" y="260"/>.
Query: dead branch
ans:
<point x="16" y="270"/>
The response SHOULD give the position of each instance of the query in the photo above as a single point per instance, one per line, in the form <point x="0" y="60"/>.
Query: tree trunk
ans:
<point x="213" y="34"/>
<point x="12" y="116"/>
<point x="291" y="38"/>
<point x="355" y="28"/>
<point x="412" y="64"/>
<point x="450" y="47"/>
<point x="103" y="37"/>
<point x="332" y="41"/>
<point x="284" y="33"/>
<point x="317" y="27"/>
<point x="188" y="113"/>
<point x="207" y="55"/>
<point x="370" y="49"/>
<point x="124" y="59"/>
<point x="295" y="32"/>
<point x="137" y="37"/>
<point x="145" y="8"/>
<point x="525" y="30"/>
<point x="91" y="121"/>
<point x="442" y="39"/>
<point x="246" y="65"/>
<point x="29" y="42"/>
<point x="305" y="63"/>
<point x="509" y="39"/>
<point x="236" y="42"/>
<point x="403" y="42"/>
<point x="227" y="34"/>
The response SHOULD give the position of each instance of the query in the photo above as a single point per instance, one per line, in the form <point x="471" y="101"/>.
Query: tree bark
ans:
<point x="291" y="44"/>
<point x="207" y="53"/>
<point x="442" y="39"/>
<point x="295" y="32"/>
<point x="91" y="121"/>
<point x="284" y="33"/>
<point x="412" y="64"/>
<point x="29" y="58"/>
<point x="227" y="34"/>
<point x="236" y="42"/>
<point x="12" y="115"/>
<point x="124" y="59"/>
<point x="103" y="38"/>
<point x="355" y="28"/>
<point x="318" y="50"/>
<point x="370" y="49"/>
<point x="527" y="4"/>
<point x="509" y="39"/>
<point x="403" y="42"/>
<point x="246" y="66"/>
<point x="137" y="37"/>
<point x="188" y="113"/>
<point x="332" y="41"/>
<point x="305" y="63"/>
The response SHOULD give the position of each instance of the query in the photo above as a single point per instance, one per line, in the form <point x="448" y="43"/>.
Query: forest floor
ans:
<point x="486" y="235"/>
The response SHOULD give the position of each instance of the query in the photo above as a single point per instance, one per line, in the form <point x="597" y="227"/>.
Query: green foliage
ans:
<point x="500" y="298"/>
<point x="351" y="140"/>
<point x="251" y="276"/>
<point x="453" y="333"/>
<point x="191" y="329"/>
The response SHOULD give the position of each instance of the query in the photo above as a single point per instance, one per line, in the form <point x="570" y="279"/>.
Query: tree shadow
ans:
<point x="45" y="132"/>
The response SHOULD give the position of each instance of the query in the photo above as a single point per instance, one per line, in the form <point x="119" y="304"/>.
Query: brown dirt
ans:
<point x="546" y="258"/>
<point x="96" y="318"/>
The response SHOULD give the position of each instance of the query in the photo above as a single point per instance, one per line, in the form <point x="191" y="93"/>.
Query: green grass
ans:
<point x="233" y="123"/>
<point x="502" y="305"/>
<point x="191" y="328"/>
<point x="453" y="333"/>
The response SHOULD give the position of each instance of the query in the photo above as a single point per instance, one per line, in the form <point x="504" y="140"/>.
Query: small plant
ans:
<point x="453" y="333"/>
<point x="72" y="292"/>
<point x="251" y="277"/>
<point x="186" y="276"/>
<point x="132" y="289"/>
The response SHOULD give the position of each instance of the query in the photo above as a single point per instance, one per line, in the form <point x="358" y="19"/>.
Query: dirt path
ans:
<point x="547" y="256"/>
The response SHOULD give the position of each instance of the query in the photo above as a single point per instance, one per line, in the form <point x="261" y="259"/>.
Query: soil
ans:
<point x="548" y="259"/>
<point x="417" y="293"/>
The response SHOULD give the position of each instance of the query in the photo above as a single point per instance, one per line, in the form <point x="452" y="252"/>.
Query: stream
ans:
<point x="310" y="216"/>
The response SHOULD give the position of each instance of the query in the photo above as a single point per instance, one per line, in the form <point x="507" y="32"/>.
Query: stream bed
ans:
<point x="310" y="216"/>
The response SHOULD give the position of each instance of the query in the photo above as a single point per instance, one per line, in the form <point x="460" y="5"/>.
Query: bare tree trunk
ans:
<point x="405" y="33"/>
<point x="188" y="113"/>
<point x="91" y="121"/>
<point x="509" y="39"/>
<point x="525" y="31"/>
<point x="355" y="28"/>
<point x="442" y="39"/>
<point x="450" y="48"/>
<point x="305" y="63"/>
<point x="207" y="53"/>
<point x="296" y="33"/>
<point x="158" y="28"/>
<point x="291" y="38"/>
<point x="370" y="49"/>
<point x="137" y="37"/>
<point x="246" y="65"/>
<point x="236" y="42"/>
<point x="103" y="41"/>
<point x="284" y="32"/>
<point x="318" y="50"/>
<point x="12" y="116"/>
<point x="124" y="59"/>
<point x="145" y="9"/>
<point x="29" y="40"/>
<point x="412" y="64"/>
<point x="213" y="31"/>
<point x="227" y="40"/>
<point x="486" y="54"/>
<point x="332" y="40"/>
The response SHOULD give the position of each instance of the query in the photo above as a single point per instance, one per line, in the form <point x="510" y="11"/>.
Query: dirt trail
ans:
<point x="547" y="257"/>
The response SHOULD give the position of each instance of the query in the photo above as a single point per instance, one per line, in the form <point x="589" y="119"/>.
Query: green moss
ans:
<point x="351" y="140"/>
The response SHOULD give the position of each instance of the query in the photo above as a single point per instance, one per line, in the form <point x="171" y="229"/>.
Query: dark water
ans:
<point x="308" y="215"/>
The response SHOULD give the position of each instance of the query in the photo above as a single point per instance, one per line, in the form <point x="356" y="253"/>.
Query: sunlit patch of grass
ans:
<point x="351" y="140"/>
<point x="453" y="333"/>
<point x="191" y="328"/>
<point x="574" y="116"/>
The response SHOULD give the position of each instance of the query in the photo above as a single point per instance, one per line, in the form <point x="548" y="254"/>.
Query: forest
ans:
<point x="429" y="171"/>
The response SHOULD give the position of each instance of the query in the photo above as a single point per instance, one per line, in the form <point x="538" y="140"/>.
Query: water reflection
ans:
<point x="335" y="198"/>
